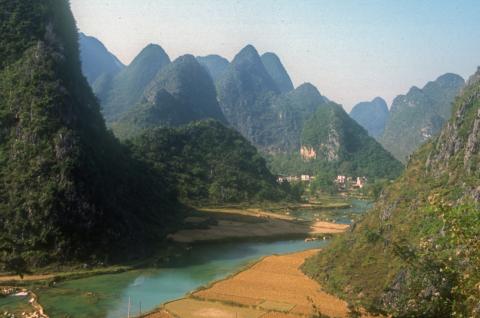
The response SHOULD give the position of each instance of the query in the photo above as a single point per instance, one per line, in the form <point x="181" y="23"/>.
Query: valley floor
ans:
<point x="274" y="287"/>
<point x="231" y="223"/>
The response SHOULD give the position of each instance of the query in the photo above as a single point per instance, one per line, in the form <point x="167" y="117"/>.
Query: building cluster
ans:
<point x="344" y="182"/>
<point x="290" y="179"/>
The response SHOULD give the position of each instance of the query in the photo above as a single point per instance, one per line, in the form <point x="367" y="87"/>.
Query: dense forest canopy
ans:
<point x="69" y="190"/>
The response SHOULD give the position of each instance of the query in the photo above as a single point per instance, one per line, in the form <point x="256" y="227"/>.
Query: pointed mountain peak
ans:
<point x="272" y="56"/>
<point x="187" y="58"/>
<point x="152" y="52"/>
<point x="308" y="87"/>
<point x="248" y="53"/>
<point x="277" y="71"/>
<point x="448" y="78"/>
<point x="379" y="100"/>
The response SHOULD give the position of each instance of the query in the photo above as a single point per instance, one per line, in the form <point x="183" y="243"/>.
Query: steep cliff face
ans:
<point x="68" y="189"/>
<point x="419" y="115"/>
<point x="417" y="253"/>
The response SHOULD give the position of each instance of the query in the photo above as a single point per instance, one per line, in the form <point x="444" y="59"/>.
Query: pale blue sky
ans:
<point x="352" y="50"/>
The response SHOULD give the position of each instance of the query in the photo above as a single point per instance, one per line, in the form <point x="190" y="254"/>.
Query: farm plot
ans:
<point x="276" y="284"/>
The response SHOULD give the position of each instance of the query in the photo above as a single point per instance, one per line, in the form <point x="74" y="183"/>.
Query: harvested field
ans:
<point x="278" y="280"/>
<point x="272" y="288"/>
<point x="238" y="224"/>
<point x="327" y="227"/>
<point x="249" y="212"/>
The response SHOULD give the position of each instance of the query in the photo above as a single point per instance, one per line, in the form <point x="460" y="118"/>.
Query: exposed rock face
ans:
<point x="330" y="149"/>
<point x="308" y="153"/>
<point x="453" y="142"/>
<point x="335" y="138"/>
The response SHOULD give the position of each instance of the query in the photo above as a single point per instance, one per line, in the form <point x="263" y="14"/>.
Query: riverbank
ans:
<point x="234" y="223"/>
<point x="273" y="287"/>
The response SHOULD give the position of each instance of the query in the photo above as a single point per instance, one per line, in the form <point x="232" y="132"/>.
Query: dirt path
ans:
<point x="26" y="278"/>
<point x="273" y="287"/>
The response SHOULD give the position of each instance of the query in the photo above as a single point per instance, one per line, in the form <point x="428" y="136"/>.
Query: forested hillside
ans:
<point x="181" y="93"/>
<point x="417" y="253"/>
<point x="68" y="189"/>
<point x="209" y="163"/>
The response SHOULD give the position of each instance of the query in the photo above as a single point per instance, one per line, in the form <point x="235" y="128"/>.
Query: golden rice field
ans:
<point x="275" y="287"/>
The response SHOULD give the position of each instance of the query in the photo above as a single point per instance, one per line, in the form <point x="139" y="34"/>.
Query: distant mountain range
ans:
<point x="276" y="119"/>
<point x="180" y="93"/>
<point x="253" y="94"/>
<point x="215" y="65"/>
<point x="413" y="118"/>
<point x="121" y="92"/>
<point x="96" y="59"/>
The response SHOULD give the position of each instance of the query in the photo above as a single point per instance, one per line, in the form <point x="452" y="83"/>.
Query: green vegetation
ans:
<point x="122" y="92"/>
<point x="417" y="253"/>
<point x="181" y="93"/>
<point x="419" y="115"/>
<point x="209" y="163"/>
<point x="371" y="115"/>
<point x="280" y="124"/>
<point x="69" y="191"/>
<point x="341" y="146"/>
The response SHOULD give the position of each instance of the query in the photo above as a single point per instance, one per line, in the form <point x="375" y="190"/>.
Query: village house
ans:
<point x="303" y="178"/>
<point x="341" y="179"/>
<point x="307" y="178"/>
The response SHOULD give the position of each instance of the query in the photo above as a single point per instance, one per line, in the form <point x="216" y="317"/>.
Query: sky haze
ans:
<point x="352" y="50"/>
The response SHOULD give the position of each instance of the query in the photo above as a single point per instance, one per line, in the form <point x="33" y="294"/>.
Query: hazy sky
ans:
<point x="352" y="50"/>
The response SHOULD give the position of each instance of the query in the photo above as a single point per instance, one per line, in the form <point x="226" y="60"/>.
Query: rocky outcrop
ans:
<point x="308" y="153"/>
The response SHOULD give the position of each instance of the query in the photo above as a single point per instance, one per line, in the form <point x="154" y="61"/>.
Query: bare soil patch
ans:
<point x="251" y="223"/>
